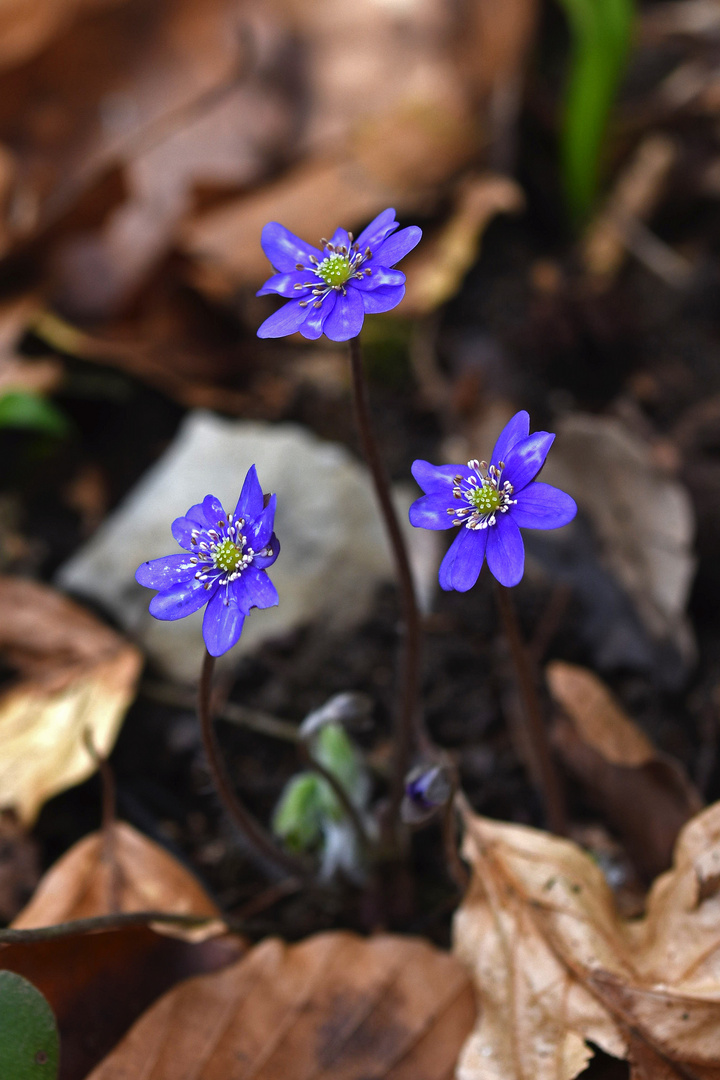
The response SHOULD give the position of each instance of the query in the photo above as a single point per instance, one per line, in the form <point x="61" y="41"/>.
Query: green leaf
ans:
<point x="601" y="33"/>
<point x="29" y="1041"/>
<point x="20" y="409"/>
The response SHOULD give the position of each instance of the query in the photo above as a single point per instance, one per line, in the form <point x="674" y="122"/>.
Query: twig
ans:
<point x="535" y="732"/>
<point x="102" y="922"/>
<point x="409" y="730"/>
<point x="258" y="837"/>
<point x="253" y="719"/>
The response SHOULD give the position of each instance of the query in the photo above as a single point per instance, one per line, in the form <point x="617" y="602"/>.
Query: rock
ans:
<point x="334" y="551"/>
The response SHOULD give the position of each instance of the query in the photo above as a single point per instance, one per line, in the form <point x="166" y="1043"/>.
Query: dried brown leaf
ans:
<point x="644" y="794"/>
<point x="78" y="675"/>
<point x="436" y="271"/>
<point x="334" y="1006"/>
<point x="556" y="968"/>
<point x="116" y="871"/>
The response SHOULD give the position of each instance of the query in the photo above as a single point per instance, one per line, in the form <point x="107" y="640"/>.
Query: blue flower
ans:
<point x="491" y="502"/>
<point x="335" y="286"/>
<point x="226" y="556"/>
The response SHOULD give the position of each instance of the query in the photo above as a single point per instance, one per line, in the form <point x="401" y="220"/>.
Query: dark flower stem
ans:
<point x="253" y="831"/>
<point x="536" y="736"/>
<point x="408" y="732"/>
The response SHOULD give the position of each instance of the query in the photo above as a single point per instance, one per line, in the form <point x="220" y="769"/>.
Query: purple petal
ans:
<point x="380" y="275"/>
<point x="385" y="298"/>
<point x="181" y="601"/>
<point x="339" y="238"/>
<point x="284" y="284"/>
<point x="213" y="510"/>
<point x="263" y="561"/>
<point x="260" y="530"/>
<point x="542" y="506"/>
<point x="314" y="324"/>
<point x="251" y="501"/>
<point x="287" y="320"/>
<point x="182" y="528"/>
<point x="166" y="572"/>
<point x="377" y="230"/>
<point x="346" y="318"/>
<point x="505" y="550"/>
<point x="222" y="623"/>
<point x="256" y="589"/>
<point x="431" y="511"/>
<point x="432" y="478"/>
<point x="514" y="432"/>
<point x="284" y="249"/>
<point x="463" y="561"/>
<point x="526" y="459"/>
<point x="396" y="247"/>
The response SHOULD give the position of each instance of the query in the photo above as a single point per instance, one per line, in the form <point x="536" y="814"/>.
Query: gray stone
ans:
<point x="334" y="551"/>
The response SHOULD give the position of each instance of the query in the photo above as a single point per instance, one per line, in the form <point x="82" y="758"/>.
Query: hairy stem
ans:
<point x="258" y="837"/>
<point x="409" y="730"/>
<point x="536" y="736"/>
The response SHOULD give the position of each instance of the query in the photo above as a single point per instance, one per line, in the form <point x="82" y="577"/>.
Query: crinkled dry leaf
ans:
<point x="335" y="1006"/>
<point x="556" y="968"/>
<point x="78" y="675"/>
<point x="644" y="794"/>
<point x="118" y="870"/>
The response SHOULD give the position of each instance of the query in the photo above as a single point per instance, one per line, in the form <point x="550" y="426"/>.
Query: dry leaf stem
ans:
<point x="536" y="735"/>
<point x="408" y="729"/>
<point x="253" y="831"/>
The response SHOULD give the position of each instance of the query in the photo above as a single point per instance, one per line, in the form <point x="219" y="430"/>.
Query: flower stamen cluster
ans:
<point x="339" y="266"/>
<point x="485" y="495"/>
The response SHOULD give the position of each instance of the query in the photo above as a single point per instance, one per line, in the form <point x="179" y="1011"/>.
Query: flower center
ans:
<point x="226" y="556"/>
<point x="486" y="499"/>
<point x="335" y="269"/>
<point x="484" y="494"/>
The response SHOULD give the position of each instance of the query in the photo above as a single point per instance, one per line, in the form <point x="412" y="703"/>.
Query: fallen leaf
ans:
<point x="114" y="871"/>
<point x="333" y="1006"/>
<point x="98" y="984"/>
<point x="436" y="271"/>
<point x="556" y="968"/>
<point x="77" y="675"/>
<point x="27" y="25"/>
<point x="611" y="473"/>
<point x="644" y="794"/>
<point x="19" y="865"/>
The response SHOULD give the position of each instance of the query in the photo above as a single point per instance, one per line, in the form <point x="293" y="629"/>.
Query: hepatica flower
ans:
<point x="223" y="565"/>
<point x="490" y="503"/>
<point x="330" y="289"/>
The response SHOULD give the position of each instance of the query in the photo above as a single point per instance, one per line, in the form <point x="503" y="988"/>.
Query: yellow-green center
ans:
<point x="334" y="270"/>
<point x="485" y="499"/>
<point x="226" y="555"/>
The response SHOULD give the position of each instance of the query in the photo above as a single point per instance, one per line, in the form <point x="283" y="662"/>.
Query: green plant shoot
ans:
<point x="601" y="32"/>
